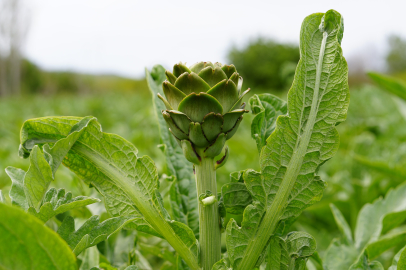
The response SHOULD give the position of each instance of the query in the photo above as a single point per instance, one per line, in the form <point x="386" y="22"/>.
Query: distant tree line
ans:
<point x="265" y="64"/>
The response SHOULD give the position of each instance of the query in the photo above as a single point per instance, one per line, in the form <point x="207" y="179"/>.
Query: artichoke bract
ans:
<point x="203" y="107"/>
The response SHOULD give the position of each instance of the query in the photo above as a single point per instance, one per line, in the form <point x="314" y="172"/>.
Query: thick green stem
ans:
<point x="209" y="228"/>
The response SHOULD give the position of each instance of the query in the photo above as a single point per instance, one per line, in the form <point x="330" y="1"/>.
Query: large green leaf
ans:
<point x="27" y="244"/>
<point x="302" y="141"/>
<point x="183" y="189"/>
<point x="266" y="108"/>
<point x="390" y="84"/>
<point x="56" y="202"/>
<point x="110" y="163"/>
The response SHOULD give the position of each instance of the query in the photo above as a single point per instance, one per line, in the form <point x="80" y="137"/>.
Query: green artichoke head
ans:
<point x="203" y="107"/>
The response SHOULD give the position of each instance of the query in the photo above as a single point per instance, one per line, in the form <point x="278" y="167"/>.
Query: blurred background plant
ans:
<point x="371" y="159"/>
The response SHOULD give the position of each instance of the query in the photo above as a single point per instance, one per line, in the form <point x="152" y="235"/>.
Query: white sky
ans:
<point x="125" y="36"/>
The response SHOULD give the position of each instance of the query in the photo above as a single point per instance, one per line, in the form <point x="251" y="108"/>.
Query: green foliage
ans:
<point x="376" y="232"/>
<point x="390" y="84"/>
<point x="266" y="65"/>
<point x="27" y="244"/>
<point x="370" y="161"/>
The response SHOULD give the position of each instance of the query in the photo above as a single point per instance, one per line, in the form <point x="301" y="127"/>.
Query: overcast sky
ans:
<point x="125" y="36"/>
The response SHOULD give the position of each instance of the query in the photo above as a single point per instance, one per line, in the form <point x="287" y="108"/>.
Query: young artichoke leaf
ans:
<point x="109" y="163"/>
<point x="183" y="188"/>
<point x="17" y="194"/>
<point x="28" y="244"/>
<point x="56" y="202"/>
<point x="364" y="264"/>
<point x="302" y="141"/>
<point x="235" y="195"/>
<point x="291" y="252"/>
<point x="2" y="199"/>
<point x="37" y="179"/>
<point x="91" y="232"/>
<point x="266" y="108"/>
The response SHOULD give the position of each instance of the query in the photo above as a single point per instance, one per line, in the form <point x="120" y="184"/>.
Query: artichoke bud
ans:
<point x="203" y="107"/>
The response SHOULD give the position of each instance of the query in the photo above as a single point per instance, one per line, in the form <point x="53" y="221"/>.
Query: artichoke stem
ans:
<point x="209" y="227"/>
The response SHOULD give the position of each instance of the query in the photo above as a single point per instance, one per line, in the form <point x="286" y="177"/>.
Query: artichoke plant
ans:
<point x="203" y="107"/>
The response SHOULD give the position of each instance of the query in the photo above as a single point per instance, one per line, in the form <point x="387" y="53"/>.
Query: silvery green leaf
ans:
<point x="339" y="256"/>
<point x="90" y="259"/>
<point x="110" y="164"/>
<point x="131" y="267"/>
<point x="57" y="202"/>
<point x="27" y="244"/>
<point x="387" y="241"/>
<point x="342" y="224"/>
<point x="371" y="218"/>
<point x="364" y="264"/>
<point x="266" y="108"/>
<point x="184" y="203"/>
<point x="399" y="261"/>
<point x="302" y="141"/>
<point x="17" y="194"/>
<point x="2" y="199"/>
